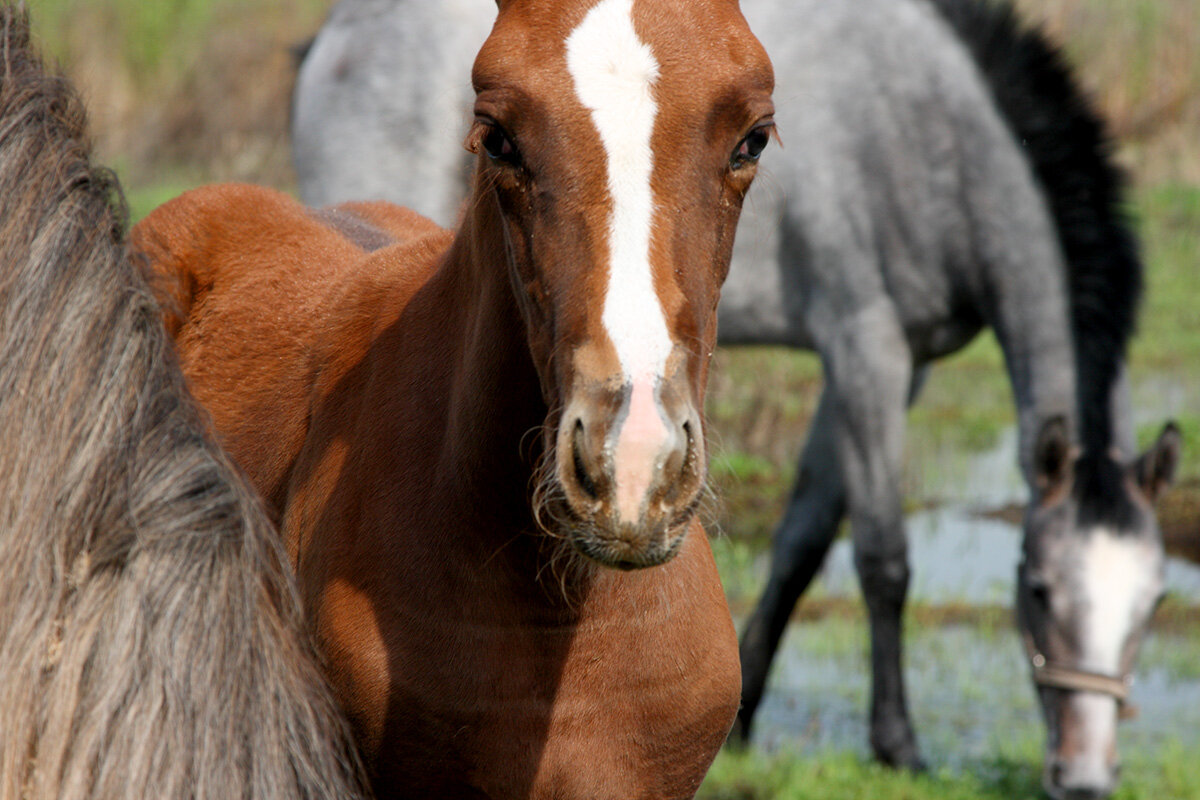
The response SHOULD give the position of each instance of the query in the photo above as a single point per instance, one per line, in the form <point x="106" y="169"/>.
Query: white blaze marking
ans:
<point x="1096" y="733"/>
<point x="1116" y="581"/>
<point x="614" y="73"/>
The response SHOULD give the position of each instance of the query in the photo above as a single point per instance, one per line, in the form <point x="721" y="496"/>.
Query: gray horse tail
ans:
<point x="151" y="643"/>
<point x="1071" y="154"/>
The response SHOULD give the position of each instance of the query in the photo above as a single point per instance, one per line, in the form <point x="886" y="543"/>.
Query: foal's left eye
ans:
<point x="750" y="148"/>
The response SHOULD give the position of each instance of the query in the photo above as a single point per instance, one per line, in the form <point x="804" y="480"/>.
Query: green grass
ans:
<point x="1178" y="656"/>
<point x="149" y="37"/>
<point x="155" y="42"/>
<point x="840" y="776"/>
<point x="1169" y="330"/>
<point x="1012" y="774"/>
<point x="145" y="198"/>
<point x="195" y="85"/>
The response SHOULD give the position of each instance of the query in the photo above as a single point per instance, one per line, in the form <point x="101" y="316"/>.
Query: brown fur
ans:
<point x="150" y="640"/>
<point x="381" y="402"/>
<point x="459" y="659"/>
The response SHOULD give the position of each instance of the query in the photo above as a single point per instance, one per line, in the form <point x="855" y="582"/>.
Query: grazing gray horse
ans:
<point x="941" y="174"/>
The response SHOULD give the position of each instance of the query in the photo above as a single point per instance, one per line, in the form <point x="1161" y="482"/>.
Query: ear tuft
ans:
<point x="1155" y="469"/>
<point x="1053" y="455"/>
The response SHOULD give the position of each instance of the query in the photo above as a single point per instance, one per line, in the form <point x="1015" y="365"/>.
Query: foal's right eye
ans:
<point x="750" y="148"/>
<point x="499" y="146"/>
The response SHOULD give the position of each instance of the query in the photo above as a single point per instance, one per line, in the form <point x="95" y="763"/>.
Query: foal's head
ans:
<point x="618" y="138"/>
<point x="1090" y="579"/>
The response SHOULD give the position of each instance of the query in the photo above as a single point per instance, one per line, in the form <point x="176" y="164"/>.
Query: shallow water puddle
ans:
<point x="969" y="692"/>
<point x="961" y="554"/>
<point x="969" y="687"/>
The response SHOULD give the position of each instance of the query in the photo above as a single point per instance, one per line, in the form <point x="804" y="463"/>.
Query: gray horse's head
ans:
<point x="1089" y="582"/>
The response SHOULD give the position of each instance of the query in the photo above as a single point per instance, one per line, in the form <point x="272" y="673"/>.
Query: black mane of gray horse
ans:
<point x="1070" y="153"/>
<point x="941" y="173"/>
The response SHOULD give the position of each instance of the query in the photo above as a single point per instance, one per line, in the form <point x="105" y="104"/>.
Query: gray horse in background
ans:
<point x="942" y="173"/>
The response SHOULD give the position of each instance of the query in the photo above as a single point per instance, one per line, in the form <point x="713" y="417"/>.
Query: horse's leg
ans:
<point x="869" y="367"/>
<point x="799" y="546"/>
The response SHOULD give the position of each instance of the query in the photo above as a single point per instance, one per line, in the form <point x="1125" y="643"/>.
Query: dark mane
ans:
<point x="1099" y="489"/>
<point x="151" y="643"/>
<point x="1071" y="154"/>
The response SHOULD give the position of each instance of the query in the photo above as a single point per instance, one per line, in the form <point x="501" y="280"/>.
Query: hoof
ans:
<point x="907" y="763"/>
<point x="899" y="753"/>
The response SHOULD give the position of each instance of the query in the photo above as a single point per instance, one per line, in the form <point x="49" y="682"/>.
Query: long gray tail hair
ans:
<point x="151" y="643"/>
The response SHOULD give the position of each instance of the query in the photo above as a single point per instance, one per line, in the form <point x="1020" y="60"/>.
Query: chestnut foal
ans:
<point x="478" y="591"/>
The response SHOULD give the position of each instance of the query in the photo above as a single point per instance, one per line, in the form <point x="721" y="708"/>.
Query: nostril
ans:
<point x="688" y="440"/>
<point x="691" y="455"/>
<point x="581" y="474"/>
<point x="679" y="470"/>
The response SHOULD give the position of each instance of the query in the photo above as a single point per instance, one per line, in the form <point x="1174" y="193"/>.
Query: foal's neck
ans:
<point x="492" y="442"/>
<point x="494" y="404"/>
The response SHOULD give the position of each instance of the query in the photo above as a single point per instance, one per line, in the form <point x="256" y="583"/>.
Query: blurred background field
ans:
<point x="184" y="92"/>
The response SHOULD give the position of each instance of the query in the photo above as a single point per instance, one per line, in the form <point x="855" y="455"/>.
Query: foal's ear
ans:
<point x="1053" y="455"/>
<point x="1154" y="470"/>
